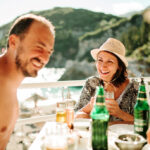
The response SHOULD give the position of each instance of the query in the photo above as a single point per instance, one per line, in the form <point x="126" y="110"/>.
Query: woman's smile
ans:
<point x="104" y="72"/>
<point x="107" y="65"/>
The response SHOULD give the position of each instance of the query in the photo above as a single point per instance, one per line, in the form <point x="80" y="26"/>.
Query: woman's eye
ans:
<point x="100" y="60"/>
<point x="110" y="62"/>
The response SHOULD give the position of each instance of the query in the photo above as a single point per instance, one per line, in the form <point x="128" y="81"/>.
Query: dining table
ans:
<point x="84" y="126"/>
<point x="80" y="125"/>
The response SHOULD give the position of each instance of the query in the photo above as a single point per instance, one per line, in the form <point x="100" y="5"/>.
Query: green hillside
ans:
<point x="70" y="24"/>
<point x="134" y="33"/>
<point x="78" y="31"/>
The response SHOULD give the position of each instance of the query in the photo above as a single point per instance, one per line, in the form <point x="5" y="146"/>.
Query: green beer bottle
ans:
<point x="141" y="111"/>
<point x="100" y="117"/>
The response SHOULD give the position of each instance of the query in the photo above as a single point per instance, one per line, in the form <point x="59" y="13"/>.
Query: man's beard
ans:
<point x="22" y="65"/>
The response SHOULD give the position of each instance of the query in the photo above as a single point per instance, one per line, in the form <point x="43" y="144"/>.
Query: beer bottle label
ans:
<point x="141" y="99"/>
<point x="141" y="114"/>
<point x="100" y="104"/>
<point x="141" y="121"/>
<point x="140" y="124"/>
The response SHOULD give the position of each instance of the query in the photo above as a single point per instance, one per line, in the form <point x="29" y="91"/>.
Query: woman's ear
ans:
<point x="13" y="41"/>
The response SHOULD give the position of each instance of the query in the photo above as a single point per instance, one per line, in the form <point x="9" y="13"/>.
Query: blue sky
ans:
<point x="10" y="9"/>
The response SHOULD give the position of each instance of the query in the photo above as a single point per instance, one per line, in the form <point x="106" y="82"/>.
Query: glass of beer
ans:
<point x="61" y="112"/>
<point x="109" y="95"/>
<point x="56" y="136"/>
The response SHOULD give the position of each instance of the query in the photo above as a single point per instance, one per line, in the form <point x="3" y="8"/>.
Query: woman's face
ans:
<point x="107" y="65"/>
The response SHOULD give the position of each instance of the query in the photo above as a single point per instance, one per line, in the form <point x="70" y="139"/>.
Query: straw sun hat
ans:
<point x="113" y="46"/>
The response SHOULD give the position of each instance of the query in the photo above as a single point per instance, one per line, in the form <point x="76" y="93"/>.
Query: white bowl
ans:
<point x="130" y="141"/>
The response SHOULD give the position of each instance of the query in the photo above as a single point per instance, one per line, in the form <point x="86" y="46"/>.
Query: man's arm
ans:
<point x="5" y="130"/>
<point x="8" y="117"/>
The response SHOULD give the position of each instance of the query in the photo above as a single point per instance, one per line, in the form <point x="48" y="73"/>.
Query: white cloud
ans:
<point x="17" y="7"/>
<point x="122" y="8"/>
<point x="96" y="9"/>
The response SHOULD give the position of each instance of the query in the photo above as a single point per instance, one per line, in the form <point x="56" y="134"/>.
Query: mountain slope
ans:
<point x="78" y="31"/>
<point x="70" y="24"/>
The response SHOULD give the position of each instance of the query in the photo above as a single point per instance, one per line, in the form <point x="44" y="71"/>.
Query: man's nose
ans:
<point x="45" y="58"/>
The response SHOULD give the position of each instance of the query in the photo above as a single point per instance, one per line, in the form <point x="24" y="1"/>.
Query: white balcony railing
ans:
<point x="45" y="85"/>
<point x="55" y="84"/>
<point x="24" y="129"/>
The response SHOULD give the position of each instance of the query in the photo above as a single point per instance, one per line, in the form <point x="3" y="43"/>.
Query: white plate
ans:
<point x="121" y="128"/>
<point x="82" y="120"/>
<point x="146" y="147"/>
<point x="82" y="123"/>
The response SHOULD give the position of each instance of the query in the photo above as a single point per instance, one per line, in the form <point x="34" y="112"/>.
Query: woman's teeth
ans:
<point x="104" y="72"/>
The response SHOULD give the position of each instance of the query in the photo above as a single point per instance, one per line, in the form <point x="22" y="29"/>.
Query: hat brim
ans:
<point x="94" y="53"/>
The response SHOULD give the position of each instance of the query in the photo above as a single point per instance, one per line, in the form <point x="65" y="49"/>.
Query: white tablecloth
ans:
<point x="113" y="132"/>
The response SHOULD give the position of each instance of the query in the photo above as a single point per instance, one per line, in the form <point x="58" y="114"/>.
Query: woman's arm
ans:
<point x="84" y="98"/>
<point x="81" y="114"/>
<point x="87" y="92"/>
<point x="124" y="108"/>
<point x="85" y="104"/>
<point x="86" y="110"/>
<point x="126" y="116"/>
<point x="115" y="110"/>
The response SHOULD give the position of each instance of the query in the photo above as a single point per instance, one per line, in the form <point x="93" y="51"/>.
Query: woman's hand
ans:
<point x="113" y="107"/>
<point x="88" y="108"/>
<point x="115" y="110"/>
<point x="81" y="114"/>
<point x="85" y="111"/>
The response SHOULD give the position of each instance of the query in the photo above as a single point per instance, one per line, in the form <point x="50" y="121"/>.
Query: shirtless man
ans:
<point x="30" y="44"/>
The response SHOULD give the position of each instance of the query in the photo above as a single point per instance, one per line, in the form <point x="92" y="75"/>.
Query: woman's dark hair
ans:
<point x="121" y="74"/>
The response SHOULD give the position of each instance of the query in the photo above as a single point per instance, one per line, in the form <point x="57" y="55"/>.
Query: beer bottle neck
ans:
<point x="142" y="93"/>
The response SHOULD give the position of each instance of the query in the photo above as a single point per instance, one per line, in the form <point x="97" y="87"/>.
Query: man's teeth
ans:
<point x="36" y="63"/>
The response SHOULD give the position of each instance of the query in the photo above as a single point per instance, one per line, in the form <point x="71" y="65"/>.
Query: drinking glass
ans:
<point x="59" y="137"/>
<point x="72" y="140"/>
<point x="56" y="136"/>
<point x="109" y="95"/>
<point x="61" y="112"/>
<point x="83" y="129"/>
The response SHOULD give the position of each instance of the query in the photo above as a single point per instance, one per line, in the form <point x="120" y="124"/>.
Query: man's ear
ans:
<point x="13" y="41"/>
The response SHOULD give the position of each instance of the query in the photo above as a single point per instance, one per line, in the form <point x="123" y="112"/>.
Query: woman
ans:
<point x="111" y="65"/>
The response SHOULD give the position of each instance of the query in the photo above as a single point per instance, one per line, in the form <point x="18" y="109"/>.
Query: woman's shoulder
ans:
<point x="93" y="81"/>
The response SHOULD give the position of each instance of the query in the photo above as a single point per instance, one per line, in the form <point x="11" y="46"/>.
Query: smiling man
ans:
<point x="29" y="47"/>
